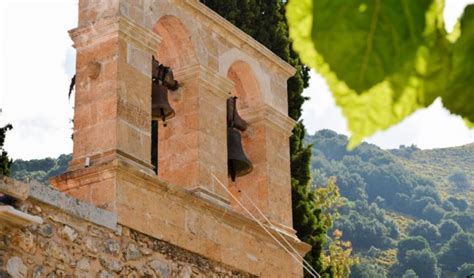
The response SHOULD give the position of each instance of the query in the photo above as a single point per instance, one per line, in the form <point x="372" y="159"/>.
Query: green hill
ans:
<point x="407" y="209"/>
<point x="440" y="164"/>
<point x="40" y="169"/>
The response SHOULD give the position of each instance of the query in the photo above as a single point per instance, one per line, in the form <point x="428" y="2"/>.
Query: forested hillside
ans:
<point x="40" y="169"/>
<point x="407" y="212"/>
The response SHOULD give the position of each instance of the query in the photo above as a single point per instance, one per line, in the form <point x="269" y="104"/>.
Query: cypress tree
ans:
<point x="5" y="162"/>
<point x="265" y="21"/>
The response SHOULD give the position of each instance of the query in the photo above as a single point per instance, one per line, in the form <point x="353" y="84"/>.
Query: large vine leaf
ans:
<point x="459" y="96"/>
<point x="402" y="88"/>
<point x="365" y="41"/>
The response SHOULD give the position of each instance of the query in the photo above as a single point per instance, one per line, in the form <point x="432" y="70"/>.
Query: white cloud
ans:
<point x="35" y="82"/>
<point x="321" y="112"/>
<point x="433" y="127"/>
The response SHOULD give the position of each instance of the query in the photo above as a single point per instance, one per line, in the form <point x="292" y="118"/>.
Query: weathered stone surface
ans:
<point x="5" y="241"/>
<point x="68" y="233"/>
<point x="105" y="274"/>
<point x="160" y="268"/>
<point x="46" y="230"/>
<point x="14" y="188"/>
<point x="132" y="252"/>
<point x="186" y="272"/>
<point x="72" y="205"/>
<point x="83" y="264"/>
<point x="97" y="252"/>
<point x="111" y="264"/>
<point x="145" y="271"/>
<point x="112" y="246"/>
<point x="16" y="268"/>
<point x="38" y="271"/>
<point x="92" y="244"/>
<point x="56" y="251"/>
<point x="26" y="241"/>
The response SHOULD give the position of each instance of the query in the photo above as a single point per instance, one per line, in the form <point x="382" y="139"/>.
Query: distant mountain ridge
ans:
<point x="439" y="164"/>
<point x="40" y="169"/>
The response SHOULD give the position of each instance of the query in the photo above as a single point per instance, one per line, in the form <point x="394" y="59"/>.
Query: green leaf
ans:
<point x="459" y="98"/>
<point x="363" y="42"/>
<point x="413" y="81"/>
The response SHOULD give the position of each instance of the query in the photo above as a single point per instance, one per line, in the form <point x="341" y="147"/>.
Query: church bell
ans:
<point x="238" y="163"/>
<point x="160" y="106"/>
<point x="162" y="80"/>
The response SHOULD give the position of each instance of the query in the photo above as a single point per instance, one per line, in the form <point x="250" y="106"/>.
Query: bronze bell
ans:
<point x="238" y="163"/>
<point x="233" y="117"/>
<point x="162" y="80"/>
<point x="160" y="106"/>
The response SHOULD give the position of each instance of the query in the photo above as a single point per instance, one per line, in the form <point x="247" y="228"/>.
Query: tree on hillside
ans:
<point x="465" y="270"/>
<point x="265" y="21"/>
<point x="425" y="229"/>
<point x="410" y="273"/>
<point x="5" y="161"/>
<point x="410" y="243"/>
<point x="422" y="262"/>
<point x="40" y="170"/>
<point x="459" y="250"/>
<point x="460" y="181"/>
<point x="367" y="270"/>
<point x="459" y="203"/>
<point x="448" y="228"/>
<point x="433" y="213"/>
<point x="465" y="219"/>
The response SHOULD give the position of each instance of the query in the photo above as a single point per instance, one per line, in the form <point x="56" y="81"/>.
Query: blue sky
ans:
<point x="37" y="62"/>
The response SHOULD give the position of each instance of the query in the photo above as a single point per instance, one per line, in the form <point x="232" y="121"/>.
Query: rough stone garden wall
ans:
<point x="67" y="246"/>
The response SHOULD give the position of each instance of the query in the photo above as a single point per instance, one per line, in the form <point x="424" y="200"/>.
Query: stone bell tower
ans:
<point x="187" y="203"/>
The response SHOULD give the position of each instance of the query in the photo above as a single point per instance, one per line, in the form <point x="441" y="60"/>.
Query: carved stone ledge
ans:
<point x="12" y="216"/>
<point x="207" y="195"/>
<point x="139" y="35"/>
<point x="235" y="36"/>
<point x="112" y="27"/>
<point x="16" y="189"/>
<point x="271" y="116"/>
<point x="218" y="84"/>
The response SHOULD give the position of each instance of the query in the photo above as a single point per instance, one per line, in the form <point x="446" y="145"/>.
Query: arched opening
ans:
<point x="248" y="93"/>
<point x="176" y="49"/>
<point x="174" y="154"/>
<point x="245" y="85"/>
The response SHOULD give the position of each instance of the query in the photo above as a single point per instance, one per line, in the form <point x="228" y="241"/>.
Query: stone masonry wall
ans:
<point x="66" y="246"/>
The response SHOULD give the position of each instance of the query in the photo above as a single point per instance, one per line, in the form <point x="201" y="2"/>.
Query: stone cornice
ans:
<point x="140" y="36"/>
<point x="218" y="84"/>
<point x="14" y="188"/>
<point x="110" y="27"/>
<point x="227" y="215"/>
<point x="16" y="217"/>
<point x="271" y="116"/>
<point x="153" y="183"/>
<point x="229" y="31"/>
